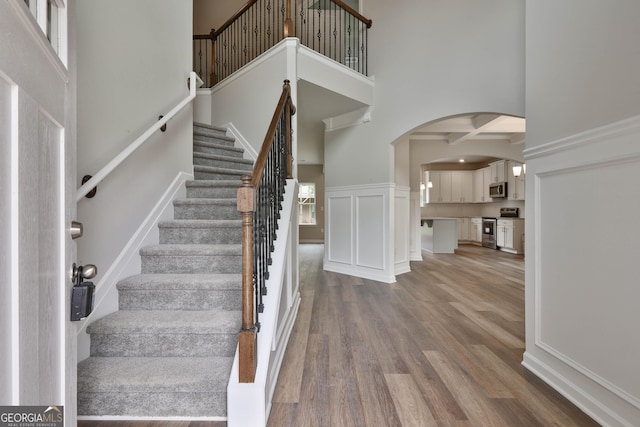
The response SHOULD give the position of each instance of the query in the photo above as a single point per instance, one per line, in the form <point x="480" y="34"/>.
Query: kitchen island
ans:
<point x="439" y="235"/>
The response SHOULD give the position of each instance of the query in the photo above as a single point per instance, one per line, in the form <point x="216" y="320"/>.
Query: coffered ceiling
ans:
<point x="476" y="127"/>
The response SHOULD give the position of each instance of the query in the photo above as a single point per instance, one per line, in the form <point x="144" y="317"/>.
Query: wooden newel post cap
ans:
<point x="246" y="195"/>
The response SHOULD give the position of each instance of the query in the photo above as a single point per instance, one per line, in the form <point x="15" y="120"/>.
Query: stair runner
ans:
<point x="168" y="351"/>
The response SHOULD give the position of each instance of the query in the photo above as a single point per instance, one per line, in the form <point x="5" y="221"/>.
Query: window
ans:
<point x="307" y="203"/>
<point x="50" y="16"/>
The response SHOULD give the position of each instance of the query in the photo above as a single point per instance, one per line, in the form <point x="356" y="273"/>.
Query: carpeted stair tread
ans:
<point x="200" y="125"/>
<point x="213" y="183"/>
<point x="181" y="281"/>
<point x="154" y="374"/>
<point x="205" y="201"/>
<point x="168" y="350"/>
<point x="208" y="144"/>
<point x="217" y="170"/>
<point x="199" y="322"/>
<point x="201" y="223"/>
<point x="191" y="250"/>
<point x="204" y="134"/>
<point x="219" y="157"/>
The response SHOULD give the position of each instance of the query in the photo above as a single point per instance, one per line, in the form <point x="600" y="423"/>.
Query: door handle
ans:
<point x="88" y="271"/>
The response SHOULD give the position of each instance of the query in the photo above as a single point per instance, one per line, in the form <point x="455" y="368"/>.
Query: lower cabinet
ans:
<point x="476" y="230"/>
<point x="510" y="235"/>
<point x="463" y="230"/>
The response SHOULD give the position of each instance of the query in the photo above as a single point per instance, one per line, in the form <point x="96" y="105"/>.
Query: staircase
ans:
<point x="168" y="351"/>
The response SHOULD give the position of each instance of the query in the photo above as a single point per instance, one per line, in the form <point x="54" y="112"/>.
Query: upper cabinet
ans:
<point x="481" y="181"/>
<point x="463" y="186"/>
<point x="498" y="171"/>
<point x="451" y="187"/>
<point x="515" y="184"/>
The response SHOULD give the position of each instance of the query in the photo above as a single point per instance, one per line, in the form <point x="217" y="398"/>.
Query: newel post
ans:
<point x="288" y="22"/>
<point x="247" y="339"/>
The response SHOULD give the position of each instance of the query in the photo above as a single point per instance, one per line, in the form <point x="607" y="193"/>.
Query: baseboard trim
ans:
<point x="241" y="142"/>
<point x="575" y="393"/>
<point x="358" y="272"/>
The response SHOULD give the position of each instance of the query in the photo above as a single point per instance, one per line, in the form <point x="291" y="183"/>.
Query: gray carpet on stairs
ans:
<point x="168" y="351"/>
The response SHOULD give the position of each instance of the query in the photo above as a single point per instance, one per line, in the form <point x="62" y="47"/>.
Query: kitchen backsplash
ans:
<point x="462" y="210"/>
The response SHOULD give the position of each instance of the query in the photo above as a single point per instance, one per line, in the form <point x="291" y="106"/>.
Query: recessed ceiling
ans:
<point x="473" y="127"/>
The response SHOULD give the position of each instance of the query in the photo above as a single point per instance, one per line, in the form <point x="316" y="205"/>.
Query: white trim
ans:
<point x="241" y="142"/>
<point x="316" y="56"/>
<point x="15" y="244"/>
<point x="630" y="126"/>
<point x="128" y="261"/>
<point x="352" y="263"/>
<point x="62" y="253"/>
<point x="538" y="275"/>
<point x="257" y="62"/>
<point x="573" y="392"/>
<point x="605" y="147"/>
<point x="352" y="118"/>
<point x="32" y="27"/>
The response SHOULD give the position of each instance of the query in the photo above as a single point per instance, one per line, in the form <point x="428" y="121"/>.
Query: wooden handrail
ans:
<point x="250" y="205"/>
<point x="230" y="21"/>
<point x="261" y="161"/>
<point x="356" y="14"/>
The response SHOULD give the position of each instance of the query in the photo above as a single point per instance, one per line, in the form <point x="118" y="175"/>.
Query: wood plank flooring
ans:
<point x="441" y="347"/>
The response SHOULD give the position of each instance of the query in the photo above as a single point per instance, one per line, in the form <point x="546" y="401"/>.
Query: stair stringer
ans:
<point x="249" y="404"/>
<point x="128" y="261"/>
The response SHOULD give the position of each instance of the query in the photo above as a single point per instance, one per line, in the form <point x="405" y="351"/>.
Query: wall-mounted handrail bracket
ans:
<point x="91" y="193"/>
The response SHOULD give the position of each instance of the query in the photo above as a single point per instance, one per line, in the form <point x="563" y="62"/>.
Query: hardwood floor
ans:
<point x="441" y="347"/>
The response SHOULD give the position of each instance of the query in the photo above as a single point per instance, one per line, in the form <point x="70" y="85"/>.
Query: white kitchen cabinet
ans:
<point x="510" y="235"/>
<point x="515" y="184"/>
<point x="440" y="192"/>
<point x="463" y="230"/>
<point x="476" y="230"/>
<point x="462" y="186"/>
<point x="481" y="181"/>
<point x="498" y="171"/>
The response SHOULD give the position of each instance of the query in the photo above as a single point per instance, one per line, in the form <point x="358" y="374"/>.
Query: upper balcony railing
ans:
<point x="329" y="27"/>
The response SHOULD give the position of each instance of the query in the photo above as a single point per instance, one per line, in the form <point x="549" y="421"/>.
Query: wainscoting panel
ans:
<point x="359" y="236"/>
<point x="370" y="231"/>
<point x="339" y="228"/>
<point x="581" y="270"/>
<point x="402" y="232"/>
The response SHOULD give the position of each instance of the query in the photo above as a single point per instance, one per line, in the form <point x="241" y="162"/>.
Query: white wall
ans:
<point x="249" y="98"/>
<point x="133" y="62"/>
<point x="431" y="59"/>
<point x="583" y="166"/>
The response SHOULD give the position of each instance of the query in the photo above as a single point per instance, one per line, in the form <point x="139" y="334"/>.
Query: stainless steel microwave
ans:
<point x="498" y="189"/>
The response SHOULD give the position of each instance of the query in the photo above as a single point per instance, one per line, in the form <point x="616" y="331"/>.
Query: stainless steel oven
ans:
<point x="489" y="226"/>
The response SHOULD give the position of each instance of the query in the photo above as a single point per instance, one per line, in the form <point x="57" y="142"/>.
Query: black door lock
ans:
<point x="82" y="293"/>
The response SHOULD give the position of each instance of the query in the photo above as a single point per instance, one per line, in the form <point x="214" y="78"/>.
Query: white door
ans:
<point x="37" y="191"/>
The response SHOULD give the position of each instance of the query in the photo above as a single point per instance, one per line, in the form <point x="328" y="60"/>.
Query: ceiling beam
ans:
<point x="480" y="122"/>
